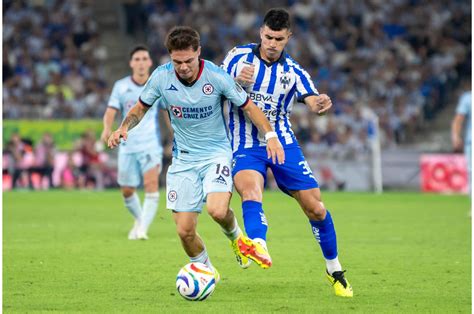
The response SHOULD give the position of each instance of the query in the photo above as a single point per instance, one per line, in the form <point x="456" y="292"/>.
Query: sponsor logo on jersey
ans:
<point x="172" y="88"/>
<point x="172" y="196"/>
<point x="220" y="179"/>
<point x="207" y="89"/>
<point x="261" y="97"/>
<point x="193" y="113"/>
<point x="177" y="111"/>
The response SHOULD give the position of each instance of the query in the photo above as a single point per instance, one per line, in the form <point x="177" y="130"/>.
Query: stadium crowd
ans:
<point x="52" y="60"/>
<point x="401" y="58"/>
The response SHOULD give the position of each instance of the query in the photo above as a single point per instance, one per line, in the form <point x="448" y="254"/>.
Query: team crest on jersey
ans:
<point x="285" y="79"/>
<point x="207" y="89"/>
<point x="177" y="111"/>
<point x="172" y="196"/>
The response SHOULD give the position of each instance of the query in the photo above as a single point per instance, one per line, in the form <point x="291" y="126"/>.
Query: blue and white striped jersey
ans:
<point x="146" y="135"/>
<point x="278" y="86"/>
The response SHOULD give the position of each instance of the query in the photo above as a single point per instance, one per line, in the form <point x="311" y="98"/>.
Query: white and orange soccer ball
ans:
<point x="195" y="282"/>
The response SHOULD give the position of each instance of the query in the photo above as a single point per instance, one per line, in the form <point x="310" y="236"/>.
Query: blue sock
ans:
<point x="255" y="221"/>
<point x="325" y="234"/>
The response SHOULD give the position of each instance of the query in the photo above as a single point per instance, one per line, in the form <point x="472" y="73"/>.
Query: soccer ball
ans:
<point x="195" y="282"/>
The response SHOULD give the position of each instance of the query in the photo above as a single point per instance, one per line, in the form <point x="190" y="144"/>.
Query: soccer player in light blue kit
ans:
<point x="462" y="119"/>
<point x="140" y="157"/>
<point x="276" y="82"/>
<point x="192" y="91"/>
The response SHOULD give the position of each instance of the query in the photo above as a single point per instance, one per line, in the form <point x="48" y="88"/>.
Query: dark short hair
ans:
<point x="182" y="38"/>
<point x="277" y="19"/>
<point x="138" y="48"/>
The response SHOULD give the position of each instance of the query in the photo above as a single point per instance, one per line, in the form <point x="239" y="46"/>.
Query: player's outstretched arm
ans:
<point x="108" y="120"/>
<point x="134" y="116"/>
<point x="274" y="148"/>
<point x="318" y="103"/>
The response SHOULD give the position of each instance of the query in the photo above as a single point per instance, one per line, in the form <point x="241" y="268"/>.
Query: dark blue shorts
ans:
<point x="294" y="175"/>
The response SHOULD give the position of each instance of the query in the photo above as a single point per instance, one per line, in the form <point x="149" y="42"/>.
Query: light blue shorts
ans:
<point x="132" y="166"/>
<point x="188" y="183"/>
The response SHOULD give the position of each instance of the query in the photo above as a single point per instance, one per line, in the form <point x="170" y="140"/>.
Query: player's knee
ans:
<point x="316" y="212"/>
<point x="186" y="234"/>
<point x="251" y="193"/>
<point x="218" y="213"/>
<point x="127" y="191"/>
<point x="150" y="186"/>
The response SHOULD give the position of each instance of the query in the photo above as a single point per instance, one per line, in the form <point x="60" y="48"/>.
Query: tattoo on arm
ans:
<point x="134" y="117"/>
<point x="131" y="121"/>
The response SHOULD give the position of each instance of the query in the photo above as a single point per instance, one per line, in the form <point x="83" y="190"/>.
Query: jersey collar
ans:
<point x="136" y="83"/>
<point x="281" y="60"/>
<point x="185" y="83"/>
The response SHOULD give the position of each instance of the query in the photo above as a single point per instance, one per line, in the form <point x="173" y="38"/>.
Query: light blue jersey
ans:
<point x="195" y="109"/>
<point x="278" y="86"/>
<point x="464" y="108"/>
<point x="146" y="135"/>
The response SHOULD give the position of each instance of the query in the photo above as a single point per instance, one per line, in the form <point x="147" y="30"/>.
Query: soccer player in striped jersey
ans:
<point x="276" y="82"/>
<point x="140" y="157"/>
<point x="192" y="90"/>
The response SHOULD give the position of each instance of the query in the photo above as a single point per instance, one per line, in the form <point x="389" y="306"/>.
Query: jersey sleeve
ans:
<point x="232" y="90"/>
<point x="114" y="100"/>
<point x="464" y="105"/>
<point x="304" y="85"/>
<point x="230" y="62"/>
<point x="151" y="92"/>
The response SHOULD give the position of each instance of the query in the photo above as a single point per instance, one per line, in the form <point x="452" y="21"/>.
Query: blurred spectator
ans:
<point x="70" y="175"/>
<point x="45" y="152"/>
<point x="92" y="167"/>
<point x="20" y="160"/>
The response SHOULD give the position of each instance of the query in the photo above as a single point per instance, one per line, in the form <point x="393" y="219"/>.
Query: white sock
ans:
<point x="234" y="233"/>
<point x="262" y="242"/>
<point x="202" y="258"/>
<point x="150" y="207"/>
<point x="333" y="265"/>
<point x="133" y="205"/>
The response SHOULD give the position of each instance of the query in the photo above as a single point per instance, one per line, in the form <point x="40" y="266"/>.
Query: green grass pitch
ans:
<point x="404" y="253"/>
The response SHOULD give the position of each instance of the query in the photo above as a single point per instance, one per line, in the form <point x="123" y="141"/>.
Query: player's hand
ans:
<point x="275" y="151"/>
<point x="321" y="105"/>
<point x="105" y="135"/>
<point x="114" y="139"/>
<point x="245" y="77"/>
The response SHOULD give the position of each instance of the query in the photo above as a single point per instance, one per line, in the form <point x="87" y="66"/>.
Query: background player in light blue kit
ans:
<point x="139" y="157"/>
<point x="276" y="82"/>
<point x="192" y="91"/>
<point x="462" y="120"/>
